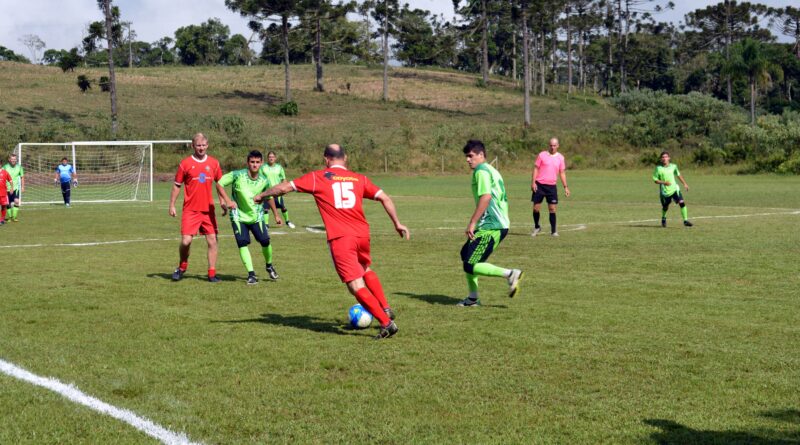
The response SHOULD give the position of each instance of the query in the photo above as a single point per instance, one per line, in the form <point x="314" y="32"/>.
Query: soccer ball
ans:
<point x="359" y="317"/>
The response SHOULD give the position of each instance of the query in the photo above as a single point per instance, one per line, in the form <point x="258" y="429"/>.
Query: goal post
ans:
<point x="107" y="171"/>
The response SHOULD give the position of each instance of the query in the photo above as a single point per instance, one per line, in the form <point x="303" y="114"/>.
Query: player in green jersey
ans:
<point x="247" y="216"/>
<point x="488" y="225"/>
<point x="18" y="178"/>
<point x="665" y="176"/>
<point x="274" y="172"/>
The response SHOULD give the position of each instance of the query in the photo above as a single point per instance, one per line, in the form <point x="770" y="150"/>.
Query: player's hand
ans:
<point x="258" y="199"/>
<point x="278" y="220"/>
<point x="667" y="183"/>
<point x="533" y="187"/>
<point x="224" y="208"/>
<point x="566" y="191"/>
<point x="172" y="211"/>
<point x="470" y="231"/>
<point x="403" y="231"/>
<point x="75" y="183"/>
<point x="687" y="187"/>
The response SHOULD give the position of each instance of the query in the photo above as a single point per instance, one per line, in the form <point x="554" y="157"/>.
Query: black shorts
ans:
<point x="13" y="196"/>
<point x="666" y="200"/>
<point x="478" y="249"/>
<point x="241" y="232"/>
<point x="65" y="186"/>
<point x="545" y="191"/>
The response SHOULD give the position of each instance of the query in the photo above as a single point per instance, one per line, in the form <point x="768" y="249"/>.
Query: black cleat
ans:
<point x="214" y="279"/>
<point x="251" y="279"/>
<point x="273" y="274"/>
<point x="178" y="274"/>
<point x="389" y="313"/>
<point x="663" y="222"/>
<point x="469" y="302"/>
<point x="387" y="332"/>
<point x="688" y="223"/>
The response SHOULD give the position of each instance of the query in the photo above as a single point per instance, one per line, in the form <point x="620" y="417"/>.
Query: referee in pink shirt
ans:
<point x="549" y="166"/>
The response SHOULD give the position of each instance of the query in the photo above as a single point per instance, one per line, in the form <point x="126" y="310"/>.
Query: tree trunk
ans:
<point x="130" y="47"/>
<point x="532" y="57"/>
<point x="386" y="52"/>
<point x="287" y="79"/>
<point x="569" y="55"/>
<point x="554" y="56"/>
<point x="581" y="67"/>
<point x="542" y="65"/>
<point x="526" y="65"/>
<point x="318" y="54"/>
<point x="484" y="44"/>
<point x="624" y="43"/>
<point x="112" y="78"/>
<point x="610" y="24"/>
<point x="752" y="102"/>
<point x="514" y="57"/>
<point x="728" y="47"/>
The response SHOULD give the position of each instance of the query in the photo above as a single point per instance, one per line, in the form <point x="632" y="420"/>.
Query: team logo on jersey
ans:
<point x="329" y="176"/>
<point x="202" y="178"/>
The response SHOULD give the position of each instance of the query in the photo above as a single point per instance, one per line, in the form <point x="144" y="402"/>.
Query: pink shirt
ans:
<point x="549" y="167"/>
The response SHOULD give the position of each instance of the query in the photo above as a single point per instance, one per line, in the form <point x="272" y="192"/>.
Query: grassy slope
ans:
<point x="624" y="332"/>
<point x="431" y="112"/>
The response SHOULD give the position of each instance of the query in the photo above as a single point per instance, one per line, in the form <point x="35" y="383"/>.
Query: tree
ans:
<point x="34" y="44"/>
<point x="112" y="36"/>
<point x="476" y="13"/>
<point x="202" y="44"/>
<point x="129" y="38"/>
<point x="236" y="51"/>
<point x="263" y="10"/>
<point x="11" y="56"/>
<point x="313" y="13"/>
<point x="386" y="13"/>
<point x="788" y="24"/>
<point x="750" y="61"/>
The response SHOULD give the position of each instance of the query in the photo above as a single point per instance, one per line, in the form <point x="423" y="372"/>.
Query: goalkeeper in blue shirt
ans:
<point x="65" y="174"/>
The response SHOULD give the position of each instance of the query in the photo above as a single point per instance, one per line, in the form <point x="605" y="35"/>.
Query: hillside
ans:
<point x="430" y="115"/>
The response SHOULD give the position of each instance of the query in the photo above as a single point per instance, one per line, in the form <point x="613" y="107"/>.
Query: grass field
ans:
<point x="623" y="332"/>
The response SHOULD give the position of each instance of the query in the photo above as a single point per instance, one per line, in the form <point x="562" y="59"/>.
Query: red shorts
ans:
<point x="350" y="257"/>
<point x="194" y="222"/>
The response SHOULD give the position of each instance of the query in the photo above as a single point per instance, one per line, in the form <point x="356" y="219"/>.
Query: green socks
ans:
<point x="685" y="213"/>
<point x="490" y="270"/>
<point x="247" y="260"/>
<point x="267" y="251"/>
<point x="285" y="216"/>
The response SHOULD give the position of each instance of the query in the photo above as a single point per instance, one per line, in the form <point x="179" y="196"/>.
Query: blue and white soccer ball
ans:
<point x="359" y="317"/>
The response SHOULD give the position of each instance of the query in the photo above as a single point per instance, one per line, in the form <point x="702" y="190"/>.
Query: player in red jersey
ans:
<point x="197" y="172"/>
<point x="339" y="193"/>
<point x="4" y="177"/>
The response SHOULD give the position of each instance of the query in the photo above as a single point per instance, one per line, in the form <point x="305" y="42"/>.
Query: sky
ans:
<point x="61" y="23"/>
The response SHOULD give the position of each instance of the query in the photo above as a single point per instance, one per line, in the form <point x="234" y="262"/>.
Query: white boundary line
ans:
<point x="76" y="395"/>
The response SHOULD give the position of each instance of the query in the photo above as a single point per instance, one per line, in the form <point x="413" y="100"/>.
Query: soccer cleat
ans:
<point x="513" y="282"/>
<point x="178" y="274"/>
<point x="273" y="274"/>
<point x="2" y="222"/>
<point x="389" y="313"/>
<point x="469" y="302"/>
<point x="290" y="224"/>
<point x="15" y="220"/>
<point x="251" y="279"/>
<point x="688" y="223"/>
<point x="536" y="231"/>
<point x="67" y="204"/>
<point x="387" y="332"/>
<point x="663" y="222"/>
<point x="554" y="234"/>
<point x="214" y="279"/>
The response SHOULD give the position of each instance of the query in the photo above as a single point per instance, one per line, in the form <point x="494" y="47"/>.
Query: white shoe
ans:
<point x="554" y="234"/>
<point x="67" y="205"/>
<point x="513" y="282"/>
<point x="290" y="224"/>
<point x="536" y="231"/>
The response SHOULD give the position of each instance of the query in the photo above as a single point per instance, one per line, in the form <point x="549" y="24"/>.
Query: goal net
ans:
<point x="106" y="171"/>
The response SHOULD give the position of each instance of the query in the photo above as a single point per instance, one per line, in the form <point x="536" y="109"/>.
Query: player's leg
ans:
<point x="65" y="192"/>
<point x="242" y="236"/>
<point x="190" y="225"/>
<point x="281" y="204"/>
<point x="208" y="227"/>
<point x="551" y="196"/>
<point x="552" y="209"/>
<point x="371" y="279"/>
<point x="537" y="198"/>
<point x="479" y="250"/>
<point x="684" y="210"/>
<point x="3" y="212"/>
<point x="261" y="233"/>
<point x="665" y="200"/>
<point x="15" y="209"/>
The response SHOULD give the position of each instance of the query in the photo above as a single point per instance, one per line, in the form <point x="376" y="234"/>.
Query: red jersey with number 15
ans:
<point x="339" y="194"/>
<point x="197" y="177"/>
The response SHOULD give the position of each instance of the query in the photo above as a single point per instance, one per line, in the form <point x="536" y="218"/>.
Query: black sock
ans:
<point x="552" y="223"/>
<point x="536" y="219"/>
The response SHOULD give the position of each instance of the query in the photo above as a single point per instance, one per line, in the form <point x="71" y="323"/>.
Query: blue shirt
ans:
<point x="65" y="171"/>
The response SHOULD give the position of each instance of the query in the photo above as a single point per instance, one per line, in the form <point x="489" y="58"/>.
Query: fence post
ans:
<point x="385" y="163"/>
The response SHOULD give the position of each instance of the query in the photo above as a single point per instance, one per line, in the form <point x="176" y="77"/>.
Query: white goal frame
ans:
<point x="20" y="152"/>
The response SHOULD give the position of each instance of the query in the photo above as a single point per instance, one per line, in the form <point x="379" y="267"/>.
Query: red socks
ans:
<point x="370" y="303"/>
<point x="212" y="273"/>
<point x="374" y="286"/>
<point x="183" y="266"/>
<point x="3" y="218"/>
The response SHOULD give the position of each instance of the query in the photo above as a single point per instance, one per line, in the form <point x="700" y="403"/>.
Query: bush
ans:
<point x="105" y="84"/>
<point x="289" y="109"/>
<point x="84" y="83"/>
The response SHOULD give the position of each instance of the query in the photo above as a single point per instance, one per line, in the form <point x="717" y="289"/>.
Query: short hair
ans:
<point x="65" y="159"/>
<point x="199" y="137"/>
<point x="12" y="155"/>
<point x="334" y="151"/>
<point x="271" y="153"/>
<point x="254" y="154"/>
<point x="474" y="146"/>
<point x="664" y="153"/>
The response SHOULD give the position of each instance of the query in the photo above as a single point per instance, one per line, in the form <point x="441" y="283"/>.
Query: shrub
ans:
<point x="84" y="83"/>
<point x="289" y="109"/>
<point x="105" y="84"/>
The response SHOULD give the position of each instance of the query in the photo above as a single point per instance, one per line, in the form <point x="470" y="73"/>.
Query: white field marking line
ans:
<point x="76" y="395"/>
<point x="105" y="243"/>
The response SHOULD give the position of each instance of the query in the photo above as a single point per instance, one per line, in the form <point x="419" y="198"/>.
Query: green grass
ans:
<point x="623" y="332"/>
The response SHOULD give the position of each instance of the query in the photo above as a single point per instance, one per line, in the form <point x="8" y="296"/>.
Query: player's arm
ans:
<point x="274" y="208"/>
<point x="563" y="175"/>
<point x="685" y="185"/>
<point x="533" y="178"/>
<point x="22" y="184"/>
<point x="279" y="190"/>
<point x="657" y="180"/>
<point x="480" y="209"/>
<point x="391" y="210"/>
<point x="176" y="190"/>
<point x="223" y="195"/>
<point x="224" y="181"/>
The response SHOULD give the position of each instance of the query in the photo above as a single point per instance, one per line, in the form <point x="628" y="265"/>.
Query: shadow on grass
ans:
<point x="168" y="276"/>
<point x="443" y="300"/>
<point x="786" y="415"/>
<point x="675" y="433"/>
<point x="263" y="98"/>
<point x="297" y="321"/>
